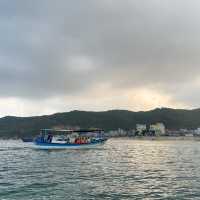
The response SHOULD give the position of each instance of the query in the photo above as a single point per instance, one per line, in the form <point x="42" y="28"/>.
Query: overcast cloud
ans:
<point x="97" y="55"/>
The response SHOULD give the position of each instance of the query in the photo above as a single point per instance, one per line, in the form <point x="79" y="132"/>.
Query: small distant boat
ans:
<point x="69" y="139"/>
<point x="27" y="139"/>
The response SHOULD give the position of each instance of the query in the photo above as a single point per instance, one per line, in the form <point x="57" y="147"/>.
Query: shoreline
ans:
<point x="158" y="138"/>
<point x="167" y="138"/>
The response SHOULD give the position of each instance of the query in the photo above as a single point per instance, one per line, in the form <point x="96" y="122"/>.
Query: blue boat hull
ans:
<point x="42" y="145"/>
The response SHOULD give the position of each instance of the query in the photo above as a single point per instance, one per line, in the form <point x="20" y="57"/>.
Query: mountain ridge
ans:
<point x="13" y="126"/>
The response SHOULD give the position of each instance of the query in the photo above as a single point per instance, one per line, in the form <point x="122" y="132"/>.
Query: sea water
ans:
<point x="120" y="169"/>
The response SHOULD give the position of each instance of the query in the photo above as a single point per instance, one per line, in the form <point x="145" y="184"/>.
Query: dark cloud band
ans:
<point x="53" y="48"/>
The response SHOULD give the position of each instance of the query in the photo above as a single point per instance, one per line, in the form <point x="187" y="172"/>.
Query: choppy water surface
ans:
<point x="121" y="169"/>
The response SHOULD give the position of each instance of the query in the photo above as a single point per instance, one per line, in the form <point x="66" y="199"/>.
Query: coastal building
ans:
<point x="174" y="133"/>
<point x="117" y="133"/>
<point x="112" y="133"/>
<point x="121" y="132"/>
<point x="141" y="129"/>
<point x="184" y="130"/>
<point x="131" y="133"/>
<point x="187" y="132"/>
<point x="197" y="132"/>
<point x="157" y="129"/>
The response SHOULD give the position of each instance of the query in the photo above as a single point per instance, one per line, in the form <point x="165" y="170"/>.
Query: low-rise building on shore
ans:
<point x="157" y="129"/>
<point x="141" y="129"/>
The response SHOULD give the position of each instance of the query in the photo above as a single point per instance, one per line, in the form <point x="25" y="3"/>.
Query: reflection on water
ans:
<point x="121" y="169"/>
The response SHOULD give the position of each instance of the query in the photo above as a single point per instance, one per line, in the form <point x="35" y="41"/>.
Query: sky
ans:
<point x="58" y="56"/>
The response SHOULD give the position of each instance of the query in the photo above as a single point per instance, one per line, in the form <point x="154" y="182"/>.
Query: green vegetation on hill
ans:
<point x="109" y="120"/>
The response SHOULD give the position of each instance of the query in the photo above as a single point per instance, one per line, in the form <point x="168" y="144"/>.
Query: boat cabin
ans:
<point x="82" y="136"/>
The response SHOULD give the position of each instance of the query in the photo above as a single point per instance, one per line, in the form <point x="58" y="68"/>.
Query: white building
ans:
<point x="158" y="129"/>
<point x="141" y="128"/>
<point x="197" y="131"/>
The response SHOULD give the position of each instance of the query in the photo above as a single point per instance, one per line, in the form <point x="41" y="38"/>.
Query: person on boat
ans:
<point x="84" y="140"/>
<point x="67" y="140"/>
<point x="49" y="138"/>
<point x="88" y="139"/>
<point x="77" y="141"/>
<point x="81" y="140"/>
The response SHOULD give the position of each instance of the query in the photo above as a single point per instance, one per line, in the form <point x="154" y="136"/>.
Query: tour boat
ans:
<point x="69" y="139"/>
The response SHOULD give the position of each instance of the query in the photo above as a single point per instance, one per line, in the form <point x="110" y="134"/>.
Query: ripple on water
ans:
<point x="121" y="169"/>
